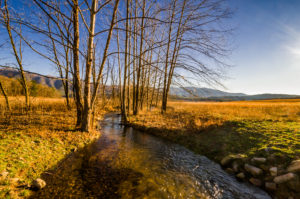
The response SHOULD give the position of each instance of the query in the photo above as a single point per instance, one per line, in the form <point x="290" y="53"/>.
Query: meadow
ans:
<point x="40" y="141"/>
<point x="216" y="129"/>
<point x="36" y="141"/>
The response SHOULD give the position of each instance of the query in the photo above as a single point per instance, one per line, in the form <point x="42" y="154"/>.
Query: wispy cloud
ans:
<point x="291" y="40"/>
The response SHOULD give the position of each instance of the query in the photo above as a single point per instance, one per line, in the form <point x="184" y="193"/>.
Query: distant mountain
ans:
<point x="185" y="93"/>
<point x="51" y="82"/>
<point x="254" y="97"/>
<point x="200" y="94"/>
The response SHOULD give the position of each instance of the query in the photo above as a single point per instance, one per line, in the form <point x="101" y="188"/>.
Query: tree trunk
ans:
<point x="124" y="116"/>
<point x="164" y="96"/>
<point x="87" y="109"/>
<point x="104" y="56"/>
<point x="76" y="76"/>
<point x="5" y="96"/>
<point x="175" y="55"/>
<point x="140" y="63"/>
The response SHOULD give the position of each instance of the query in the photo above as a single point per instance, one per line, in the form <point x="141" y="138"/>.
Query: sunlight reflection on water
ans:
<point x="126" y="163"/>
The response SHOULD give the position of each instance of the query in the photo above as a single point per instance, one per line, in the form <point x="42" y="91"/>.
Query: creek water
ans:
<point x="126" y="163"/>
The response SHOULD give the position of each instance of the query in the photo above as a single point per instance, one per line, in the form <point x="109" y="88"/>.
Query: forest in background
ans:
<point x="140" y="46"/>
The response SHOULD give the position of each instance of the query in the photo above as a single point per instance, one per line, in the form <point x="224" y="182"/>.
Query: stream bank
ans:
<point x="268" y="168"/>
<point x="126" y="163"/>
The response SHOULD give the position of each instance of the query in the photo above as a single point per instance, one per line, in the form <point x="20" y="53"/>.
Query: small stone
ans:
<point x="38" y="184"/>
<point x="14" y="180"/>
<point x="235" y="166"/>
<point x="241" y="175"/>
<point x="255" y="181"/>
<point x="3" y="175"/>
<point x="284" y="178"/>
<point x="228" y="159"/>
<point x="294" y="166"/>
<point x="273" y="171"/>
<point x="253" y="170"/>
<point x="259" y="160"/>
<point x="270" y="186"/>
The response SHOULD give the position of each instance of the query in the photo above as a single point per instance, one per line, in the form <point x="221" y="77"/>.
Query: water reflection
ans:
<point x="125" y="163"/>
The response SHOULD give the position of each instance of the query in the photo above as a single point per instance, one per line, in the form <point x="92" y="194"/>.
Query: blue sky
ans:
<point x="266" y="53"/>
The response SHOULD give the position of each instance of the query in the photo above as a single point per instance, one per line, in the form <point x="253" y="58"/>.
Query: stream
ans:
<point x="126" y="163"/>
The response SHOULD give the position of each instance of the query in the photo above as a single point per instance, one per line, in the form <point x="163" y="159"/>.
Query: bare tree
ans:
<point x="17" y="53"/>
<point x="76" y="70"/>
<point x="156" y="45"/>
<point x="90" y="99"/>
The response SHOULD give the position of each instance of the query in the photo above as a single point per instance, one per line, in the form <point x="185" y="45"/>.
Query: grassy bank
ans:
<point x="35" y="141"/>
<point x="262" y="135"/>
<point x="216" y="129"/>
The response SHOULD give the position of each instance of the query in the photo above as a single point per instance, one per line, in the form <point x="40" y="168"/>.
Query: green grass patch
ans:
<point x="248" y="137"/>
<point x="27" y="155"/>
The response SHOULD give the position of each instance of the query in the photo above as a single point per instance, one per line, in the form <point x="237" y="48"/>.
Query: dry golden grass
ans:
<point x="216" y="129"/>
<point x="44" y="114"/>
<point x="35" y="141"/>
<point x="200" y="115"/>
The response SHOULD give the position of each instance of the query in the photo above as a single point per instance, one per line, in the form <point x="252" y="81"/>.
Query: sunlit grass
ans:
<point x="34" y="141"/>
<point x="216" y="129"/>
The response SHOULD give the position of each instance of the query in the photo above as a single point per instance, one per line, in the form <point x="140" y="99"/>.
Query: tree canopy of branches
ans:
<point x="145" y="46"/>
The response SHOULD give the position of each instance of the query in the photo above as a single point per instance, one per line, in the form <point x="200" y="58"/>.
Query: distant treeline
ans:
<point x="14" y="88"/>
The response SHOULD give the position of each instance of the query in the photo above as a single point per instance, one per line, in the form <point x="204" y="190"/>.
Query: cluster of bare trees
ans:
<point x="139" y="47"/>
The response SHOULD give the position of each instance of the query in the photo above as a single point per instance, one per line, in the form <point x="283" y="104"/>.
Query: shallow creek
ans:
<point x="125" y="163"/>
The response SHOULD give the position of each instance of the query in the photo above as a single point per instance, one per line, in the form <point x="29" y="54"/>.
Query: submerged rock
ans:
<point x="38" y="184"/>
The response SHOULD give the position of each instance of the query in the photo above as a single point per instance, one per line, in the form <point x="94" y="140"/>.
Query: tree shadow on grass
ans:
<point x="217" y="141"/>
<point x="17" y="121"/>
